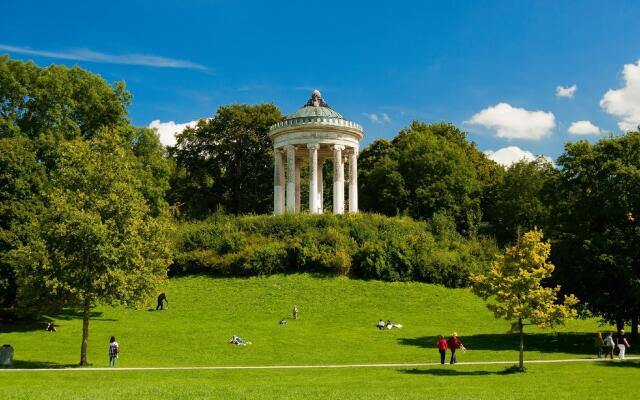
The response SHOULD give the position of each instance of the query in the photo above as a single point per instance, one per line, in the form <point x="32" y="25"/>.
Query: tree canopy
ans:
<point x="424" y="170"/>
<point x="597" y="227"/>
<point x="226" y="161"/>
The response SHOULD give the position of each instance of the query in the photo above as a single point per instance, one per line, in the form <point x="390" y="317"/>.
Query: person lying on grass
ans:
<point x="238" y="341"/>
<point x="390" y="325"/>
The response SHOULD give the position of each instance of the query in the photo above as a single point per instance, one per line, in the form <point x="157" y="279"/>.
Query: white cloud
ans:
<point x="515" y="123"/>
<point x="383" y="118"/>
<point x="584" y="128"/>
<point x="625" y="102"/>
<point x="567" y="92"/>
<point x="167" y="130"/>
<point x="512" y="154"/>
<point x="94" y="56"/>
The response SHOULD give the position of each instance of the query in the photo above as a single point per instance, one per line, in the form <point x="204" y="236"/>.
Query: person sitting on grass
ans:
<point x="380" y="325"/>
<point x="282" y="322"/>
<point x="389" y="324"/>
<point x="51" y="327"/>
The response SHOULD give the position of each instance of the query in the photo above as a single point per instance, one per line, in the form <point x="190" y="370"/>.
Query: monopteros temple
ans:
<point x="318" y="133"/>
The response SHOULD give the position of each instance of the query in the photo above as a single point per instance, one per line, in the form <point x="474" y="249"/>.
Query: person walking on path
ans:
<point x="114" y="350"/>
<point x="609" y="344"/>
<point x="623" y="344"/>
<point x="161" y="299"/>
<point x="599" y="343"/>
<point x="295" y="312"/>
<point x="442" y="348"/>
<point x="454" y="344"/>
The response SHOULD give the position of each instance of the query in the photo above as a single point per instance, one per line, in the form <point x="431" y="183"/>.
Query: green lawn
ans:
<point x="612" y="380"/>
<point x="335" y="326"/>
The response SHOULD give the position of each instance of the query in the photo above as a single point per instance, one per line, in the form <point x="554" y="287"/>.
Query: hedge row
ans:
<point x="367" y="246"/>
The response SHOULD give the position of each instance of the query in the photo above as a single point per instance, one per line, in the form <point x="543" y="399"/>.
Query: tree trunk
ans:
<point x="634" y="328"/>
<point x="85" y="332"/>
<point x="619" y="324"/>
<point x="520" y="327"/>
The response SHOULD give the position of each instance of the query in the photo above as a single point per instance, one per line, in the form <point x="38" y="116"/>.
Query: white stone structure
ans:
<point x="318" y="133"/>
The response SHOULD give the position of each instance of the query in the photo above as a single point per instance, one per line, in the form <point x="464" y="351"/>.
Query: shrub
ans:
<point x="366" y="246"/>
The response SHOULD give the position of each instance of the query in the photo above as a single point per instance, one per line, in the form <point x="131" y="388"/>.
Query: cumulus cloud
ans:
<point x="383" y="118"/>
<point x="515" y="123"/>
<point x="512" y="154"/>
<point x="94" y="56"/>
<point x="567" y="92"/>
<point x="584" y="128"/>
<point x="167" y="130"/>
<point x="625" y="102"/>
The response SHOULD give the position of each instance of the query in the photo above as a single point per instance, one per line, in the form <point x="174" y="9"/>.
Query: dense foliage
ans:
<point x="424" y="170"/>
<point x="597" y="226"/>
<point x="365" y="246"/>
<point x="226" y="162"/>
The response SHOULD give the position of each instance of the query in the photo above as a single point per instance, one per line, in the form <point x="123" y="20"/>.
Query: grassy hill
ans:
<point x="336" y="325"/>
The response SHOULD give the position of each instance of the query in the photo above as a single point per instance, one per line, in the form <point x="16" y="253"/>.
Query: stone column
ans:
<point x="291" y="178"/>
<point x="353" y="181"/>
<point x="313" y="177"/>
<point x="278" y="182"/>
<point x="298" y="167"/>
<point x="320" y="186"/>
<point x="338" y="180"/>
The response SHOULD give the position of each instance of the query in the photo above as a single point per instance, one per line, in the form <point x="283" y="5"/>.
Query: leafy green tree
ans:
<point x="57" y="103"/>
<point x="22" y="180"/>
<point x="521" y="199"/>
<point x="597" y="226"/>
<point x="427" y="169"/>
<point x="226" y="161"/>
<point x="98" y="240"/>
<point x="514" y="285"/>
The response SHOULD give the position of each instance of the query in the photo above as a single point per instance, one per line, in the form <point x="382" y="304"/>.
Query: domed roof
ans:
<point x="316" y="107"/>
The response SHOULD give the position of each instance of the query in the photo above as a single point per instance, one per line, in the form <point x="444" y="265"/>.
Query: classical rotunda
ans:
<point x="318" y="133"/>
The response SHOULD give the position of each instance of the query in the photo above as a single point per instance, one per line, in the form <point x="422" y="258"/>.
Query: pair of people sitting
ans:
<point x="388" y="325"/>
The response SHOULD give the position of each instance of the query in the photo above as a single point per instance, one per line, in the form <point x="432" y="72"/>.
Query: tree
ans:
<point x="226" y="161"/>
<point x="514" y="284"/>
<point x="97" y="241"/>
<point x="424" y="170"/>
<point x="521" y="199"/>
<point x="597" y="229"/>
<point x="22" y="180"/>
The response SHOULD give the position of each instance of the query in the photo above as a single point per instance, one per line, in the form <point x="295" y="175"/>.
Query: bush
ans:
<point x="366" y="246"/>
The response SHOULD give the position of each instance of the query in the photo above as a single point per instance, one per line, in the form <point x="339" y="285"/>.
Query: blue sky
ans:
<point x="491" y="68"/>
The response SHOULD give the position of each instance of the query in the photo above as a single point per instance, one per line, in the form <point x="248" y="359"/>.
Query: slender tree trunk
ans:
<point x="85" y="332"/>
<point x="619" y="324"/>
<point x="634" y="328"/>
<point x="520" y="327"/>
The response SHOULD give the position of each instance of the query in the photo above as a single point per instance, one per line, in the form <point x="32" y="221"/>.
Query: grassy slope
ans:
<point x="336" y="325"/>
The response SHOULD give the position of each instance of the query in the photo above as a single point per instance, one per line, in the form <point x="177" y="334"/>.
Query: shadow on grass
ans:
<point x="39" y="364"/>
<point x="564" y="342"/>
<point x="621" y="364"/>
<point x="9" y="324"/>
<point x="70" y="313"/>
<point x="448" y="372"/>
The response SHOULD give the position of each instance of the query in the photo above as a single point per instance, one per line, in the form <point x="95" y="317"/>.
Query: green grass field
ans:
<point x="336" y="325"/>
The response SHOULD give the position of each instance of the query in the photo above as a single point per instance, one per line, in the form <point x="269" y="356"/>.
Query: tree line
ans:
<point x="88" y="200"/>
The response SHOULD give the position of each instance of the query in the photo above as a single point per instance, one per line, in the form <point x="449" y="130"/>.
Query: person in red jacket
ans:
<point x="442" y="348"/>
<point x="454" y="344"/>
